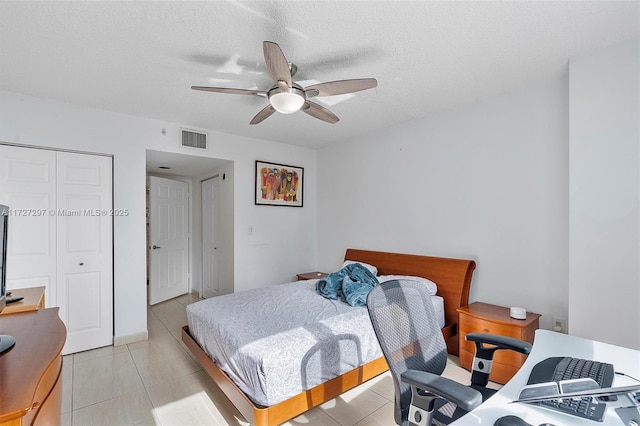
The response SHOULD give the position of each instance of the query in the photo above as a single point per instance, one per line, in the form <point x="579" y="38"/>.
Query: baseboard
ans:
<point x="131" y="338"/>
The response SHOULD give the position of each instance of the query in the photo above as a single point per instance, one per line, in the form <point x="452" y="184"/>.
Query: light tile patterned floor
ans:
<point x="157" y="382"/>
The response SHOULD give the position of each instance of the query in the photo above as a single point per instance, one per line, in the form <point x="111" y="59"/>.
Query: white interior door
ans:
<point x="210" y="221"/>
<point x="169" y="238"/>
<point x="28" y="187"/>
<point x="85" y="249"/>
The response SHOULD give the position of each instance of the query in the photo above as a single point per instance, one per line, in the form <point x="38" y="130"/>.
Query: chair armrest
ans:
<point x="502" y="342"/>
<point x="486" y="345"/>
<point x="463" y="396"/>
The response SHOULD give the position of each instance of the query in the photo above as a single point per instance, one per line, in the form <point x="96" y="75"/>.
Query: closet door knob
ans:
<point x="81" y="263"/>
<point x="155" y="247"/>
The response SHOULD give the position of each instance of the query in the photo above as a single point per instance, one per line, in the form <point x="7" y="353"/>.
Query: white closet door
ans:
<point x="28" y="187"/>
<point x="210" y="221"/>
<point x="85" y="249"/>
<point x="169" y="238"/>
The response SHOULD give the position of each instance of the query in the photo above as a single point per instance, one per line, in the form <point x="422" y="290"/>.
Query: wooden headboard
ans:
<point x="452" y="276"/>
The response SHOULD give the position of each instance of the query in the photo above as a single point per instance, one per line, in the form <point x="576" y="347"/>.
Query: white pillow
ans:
<point x="371" y="268"/>
<point x="432" y="288"/>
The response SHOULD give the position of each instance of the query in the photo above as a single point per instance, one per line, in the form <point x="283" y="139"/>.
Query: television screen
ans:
<point x="6" y="342"/>
<point x="4" y="224"/>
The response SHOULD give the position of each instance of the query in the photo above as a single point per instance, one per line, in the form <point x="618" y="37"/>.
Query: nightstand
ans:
<point x="481" y="317"/>
<point x="311" y="275"/>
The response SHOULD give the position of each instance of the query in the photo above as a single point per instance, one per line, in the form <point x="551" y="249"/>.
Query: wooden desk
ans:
<point x="31" y="371"/>
<point x="33" y="300"/>
<point x="551" y="344"/>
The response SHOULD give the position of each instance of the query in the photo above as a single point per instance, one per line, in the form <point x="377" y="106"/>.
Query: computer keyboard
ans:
<point x="557" y="369"/>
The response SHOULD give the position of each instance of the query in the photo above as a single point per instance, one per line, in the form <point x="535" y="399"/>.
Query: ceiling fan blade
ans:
<point x="318" y="111"/>
<point x="263" y="114"/>
<point x="276" y="63"/>
<point x="230" y="90"/>
<point x="340" y="87"/>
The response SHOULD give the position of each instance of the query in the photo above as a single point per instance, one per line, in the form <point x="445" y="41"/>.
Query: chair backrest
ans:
<point x="406" y="326"/>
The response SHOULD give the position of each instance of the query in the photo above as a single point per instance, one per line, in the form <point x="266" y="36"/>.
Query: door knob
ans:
<point x="81" y="263"/>
<point x="156" y="247"/>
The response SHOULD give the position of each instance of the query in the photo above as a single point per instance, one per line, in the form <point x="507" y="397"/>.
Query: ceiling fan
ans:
<point x="286" y="96"/>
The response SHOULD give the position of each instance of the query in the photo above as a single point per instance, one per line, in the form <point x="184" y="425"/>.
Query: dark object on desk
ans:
<point x="510" y="420"/>
<point x="14" y="299"/>
<point x="557" y="369"/>
<point x="311" y="275"/>
<point x="406" y="326"/>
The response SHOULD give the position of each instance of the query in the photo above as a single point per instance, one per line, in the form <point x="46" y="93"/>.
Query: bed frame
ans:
<point x="453" y="277"/>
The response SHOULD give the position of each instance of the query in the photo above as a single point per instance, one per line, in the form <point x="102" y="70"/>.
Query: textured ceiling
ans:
<point x="141" y="58"/>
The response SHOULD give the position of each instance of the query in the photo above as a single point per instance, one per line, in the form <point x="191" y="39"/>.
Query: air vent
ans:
<point x="194" y="139"/>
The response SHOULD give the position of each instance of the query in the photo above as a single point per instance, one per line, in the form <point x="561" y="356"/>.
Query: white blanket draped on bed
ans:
<point x="277" y="341"/>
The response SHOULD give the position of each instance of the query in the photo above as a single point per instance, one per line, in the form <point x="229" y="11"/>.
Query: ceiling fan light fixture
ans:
<point x="287" y="101"/>
<point x="286" y="96"/>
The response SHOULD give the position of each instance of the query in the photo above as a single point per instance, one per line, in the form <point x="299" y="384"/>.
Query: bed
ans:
<point x="453" y="278"/>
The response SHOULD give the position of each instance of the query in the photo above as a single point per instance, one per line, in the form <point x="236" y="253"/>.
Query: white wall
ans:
<point x="284" y="238"/>
<point x="283" y="242"/>
<point x="553" y="220"/>
<point x="487" y="182"/>
<point x="604" y="290"/>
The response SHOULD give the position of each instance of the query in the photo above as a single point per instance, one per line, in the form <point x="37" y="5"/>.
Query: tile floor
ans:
<point x="157" y="382"/>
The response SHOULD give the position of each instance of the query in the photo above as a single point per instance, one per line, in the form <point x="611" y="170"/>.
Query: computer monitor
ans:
<point x="6" y="342"/>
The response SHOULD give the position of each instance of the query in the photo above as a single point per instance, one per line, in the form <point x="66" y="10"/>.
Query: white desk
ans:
<point x="548" y="344"/>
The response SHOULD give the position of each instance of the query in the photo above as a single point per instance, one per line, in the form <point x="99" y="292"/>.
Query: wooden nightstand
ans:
<point x="481" y="317"/>
<point x="33" y="300"/>
<point x="311" y="275"/>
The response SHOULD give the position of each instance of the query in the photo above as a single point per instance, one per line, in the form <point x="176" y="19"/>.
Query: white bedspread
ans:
<point x="277" y="341"/>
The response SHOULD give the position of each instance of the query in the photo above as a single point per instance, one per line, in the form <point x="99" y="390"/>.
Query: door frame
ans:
<point x="225" y="168"/>
<point x="189" y="182"/>
<point x="216" y="218"/>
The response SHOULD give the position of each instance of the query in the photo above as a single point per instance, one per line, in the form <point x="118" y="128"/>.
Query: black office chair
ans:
<point x="406" y="326"/>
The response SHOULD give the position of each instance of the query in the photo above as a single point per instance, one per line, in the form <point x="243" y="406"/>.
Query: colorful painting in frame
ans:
<point x="278" y="184"/>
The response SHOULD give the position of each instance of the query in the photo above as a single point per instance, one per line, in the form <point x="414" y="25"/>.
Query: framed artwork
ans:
<point x="278" y="184"/>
